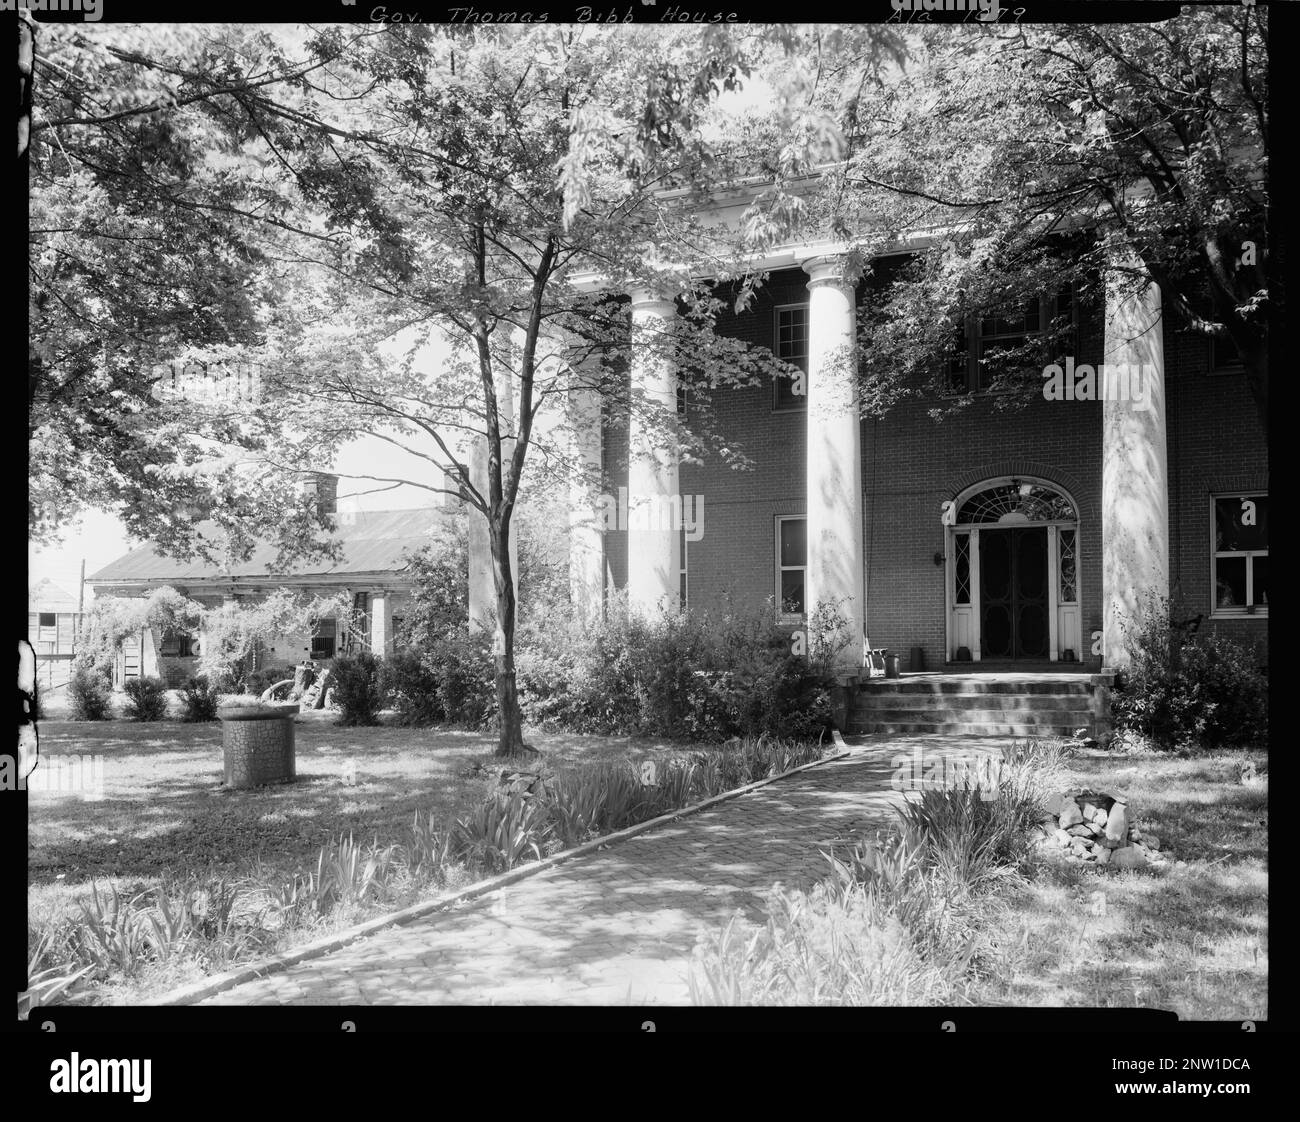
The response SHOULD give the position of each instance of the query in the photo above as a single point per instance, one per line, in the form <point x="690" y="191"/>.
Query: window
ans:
<point x="176" y="644"/>
<point x="48" y="625"/>
<point x="1068" y="569"/>
<point x="1224" y="358"/>
<point x="396" y="636"/>
<point x="325" y="639"/>
<point x="791" y="566"/>
<point x="683" y="587"/>
<point x="961" y="570"/>
<point x="792" y="347"/>
<point x="1239" y="524"/>
<point x="986" y="346"/>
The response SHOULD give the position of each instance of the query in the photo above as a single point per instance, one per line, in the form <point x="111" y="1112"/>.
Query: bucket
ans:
<point x="891" y="664"/>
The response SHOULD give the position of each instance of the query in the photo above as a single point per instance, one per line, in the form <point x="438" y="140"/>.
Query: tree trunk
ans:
<point x="510" y="741"/>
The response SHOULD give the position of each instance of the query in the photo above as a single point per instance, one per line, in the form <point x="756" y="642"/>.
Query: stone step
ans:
<point x="1009" y="702"/>
<point x="1054" y="718"/>
<point x="963" y="728"/>
<point x="939" y="686"/>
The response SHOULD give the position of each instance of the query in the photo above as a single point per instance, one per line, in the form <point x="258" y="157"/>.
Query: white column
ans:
<point x="834" y="454"/>
<point x="482" y="583"/>
<point x="1134" y="465"/>
<point x="653" y="541"/>
<point x="381" y="623"/>
<point x="586" y="526"/>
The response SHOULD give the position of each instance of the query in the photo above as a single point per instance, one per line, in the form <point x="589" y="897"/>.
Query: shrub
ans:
<point x="413" y="685"/>
<point x="199" y="700"/>
<point x="146" y="699"/>
<point x="824" y="947"/>
<point x="578" y="678"/>
<point x="89" y="696"/>
<point x="503" y="831"/>
<point x="971" y="833"/>
<point x="689" y="676"/>
<point x="358" y="689"/>
<point x="1183" y="688"/>
<point x="466" y="676"/>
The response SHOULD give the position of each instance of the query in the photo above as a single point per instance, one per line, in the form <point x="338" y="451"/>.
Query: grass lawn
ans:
<point x="165" y="813"/>
<point x="1192" y="939"/>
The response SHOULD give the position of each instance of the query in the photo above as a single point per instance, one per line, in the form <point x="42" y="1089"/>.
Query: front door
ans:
<point x="1013" y="593"/>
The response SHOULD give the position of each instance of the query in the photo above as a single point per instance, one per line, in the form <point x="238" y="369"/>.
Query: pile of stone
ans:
<point x="1098" y="829"/>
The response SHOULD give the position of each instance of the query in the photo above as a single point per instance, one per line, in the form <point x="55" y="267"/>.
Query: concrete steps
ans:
<point x="1046" y="705"/>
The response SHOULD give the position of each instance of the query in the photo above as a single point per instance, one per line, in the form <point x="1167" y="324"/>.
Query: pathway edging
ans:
<point x="197" y="991"/>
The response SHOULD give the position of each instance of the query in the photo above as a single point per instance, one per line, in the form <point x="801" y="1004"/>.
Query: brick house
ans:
<point x="1016" y="540"/>
<point x="372" y="571"/>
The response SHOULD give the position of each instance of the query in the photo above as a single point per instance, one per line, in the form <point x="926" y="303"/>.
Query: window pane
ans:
<point x="792" y="335"/>
<point x="785" y="392"/>
<point x="962" y="570"/>
<point x="47" y="619"/>
<point x="1261" y="579"/>
<point x="1241" y="523"/>
<point x="1224" y="355"/>
<point x="1230" y="582"/>
<point x="794" y="541"/>
<point x="792" y="591"/>
<point x="1068" y="593"/>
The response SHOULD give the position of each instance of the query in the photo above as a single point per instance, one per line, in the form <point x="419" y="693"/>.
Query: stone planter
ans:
<point x="257" y="743"/>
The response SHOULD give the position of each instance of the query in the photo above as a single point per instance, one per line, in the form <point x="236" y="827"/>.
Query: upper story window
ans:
<point x="792" y="347"/>
<point x="992" y="343"/>
<point x="1239" y="564"/>
<point x="1224" y="358"/>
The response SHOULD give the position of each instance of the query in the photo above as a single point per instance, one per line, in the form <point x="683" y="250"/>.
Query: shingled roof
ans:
<point x="373" y="542"/>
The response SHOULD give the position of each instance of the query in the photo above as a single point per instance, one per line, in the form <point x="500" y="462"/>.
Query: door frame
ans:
<point x="1062" y="618"/>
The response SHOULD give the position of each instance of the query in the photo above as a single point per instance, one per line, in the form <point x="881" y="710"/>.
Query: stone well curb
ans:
<point x="197" y="991"/>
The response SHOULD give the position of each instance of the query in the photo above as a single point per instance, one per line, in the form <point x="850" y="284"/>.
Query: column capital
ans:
<point x="828" y="270"/>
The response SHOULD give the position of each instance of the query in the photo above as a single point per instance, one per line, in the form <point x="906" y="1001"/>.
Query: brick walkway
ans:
<point x="617" y="926"/>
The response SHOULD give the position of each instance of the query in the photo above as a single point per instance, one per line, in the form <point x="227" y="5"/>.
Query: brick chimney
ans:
<point x="325" y="487"/>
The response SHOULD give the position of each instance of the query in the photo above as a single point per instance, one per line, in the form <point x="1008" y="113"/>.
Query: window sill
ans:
<point x="1260" y="612"/>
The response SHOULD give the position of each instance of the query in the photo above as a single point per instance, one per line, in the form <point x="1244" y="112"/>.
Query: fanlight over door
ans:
<point x="1013" y="587"/>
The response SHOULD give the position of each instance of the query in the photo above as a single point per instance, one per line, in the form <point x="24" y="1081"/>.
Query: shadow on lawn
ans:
<point x="165" y="808"/>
